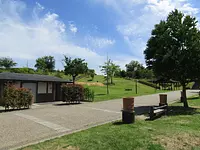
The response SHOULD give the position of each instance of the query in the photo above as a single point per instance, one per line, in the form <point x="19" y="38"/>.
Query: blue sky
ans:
<point x="86" y="29"/>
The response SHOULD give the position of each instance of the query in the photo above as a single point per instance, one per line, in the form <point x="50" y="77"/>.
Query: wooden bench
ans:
<point x="156" y="111"/>
<point x="128" y="89"/>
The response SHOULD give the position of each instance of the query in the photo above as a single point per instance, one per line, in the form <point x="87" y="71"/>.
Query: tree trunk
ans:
<point x="111" y="80"/>
<point x="185" y="97"/>
<point x="73" y="79"/>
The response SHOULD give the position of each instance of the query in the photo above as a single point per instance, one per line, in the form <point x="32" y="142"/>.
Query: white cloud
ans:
<point x="73" y="27"/>
<point x="97" y="42"/>
<point x="42" y="35"/>
<point x="137" y="18"/>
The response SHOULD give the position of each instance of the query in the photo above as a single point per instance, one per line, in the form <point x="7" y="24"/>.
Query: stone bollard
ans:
<point x="163" y="99"/>
<point x="128" y="114"/>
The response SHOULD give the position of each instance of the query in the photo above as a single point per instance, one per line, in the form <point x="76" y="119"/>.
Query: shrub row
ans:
<point x="88" y="94"/>
<point x="73" y="93"/>
<point x="149" y="84"/>
<point x="77" y="93"/>
<point x="16" y="98"/>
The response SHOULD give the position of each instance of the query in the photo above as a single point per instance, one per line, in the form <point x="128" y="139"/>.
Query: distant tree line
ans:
<point x="46" y="65"/>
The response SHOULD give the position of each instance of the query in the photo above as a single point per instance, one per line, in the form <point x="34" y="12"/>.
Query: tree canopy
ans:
<point x="45" y="64"/>
<point x="7" y="62"/>
<point x="74" y="67"/>
<point x="173" y="51"/>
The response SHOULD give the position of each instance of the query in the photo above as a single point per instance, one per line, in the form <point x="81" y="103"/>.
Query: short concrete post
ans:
<point x="128" y="114"/>
<point x="163" y="99"/>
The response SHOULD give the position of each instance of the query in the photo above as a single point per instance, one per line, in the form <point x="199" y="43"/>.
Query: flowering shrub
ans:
<point x="16" y="98"/>
<point x="73" y="93"/>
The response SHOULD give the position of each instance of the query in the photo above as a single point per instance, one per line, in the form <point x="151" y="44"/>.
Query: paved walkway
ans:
<point x="45" y="121"/>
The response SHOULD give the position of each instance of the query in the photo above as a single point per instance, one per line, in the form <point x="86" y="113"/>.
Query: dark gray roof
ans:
<point x="29" y="77"/>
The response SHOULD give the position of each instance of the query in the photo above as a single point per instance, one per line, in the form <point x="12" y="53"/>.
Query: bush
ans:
<point x="88" y="94"/>
<point x="16" y="98"/>
<point x="73" y="93"/>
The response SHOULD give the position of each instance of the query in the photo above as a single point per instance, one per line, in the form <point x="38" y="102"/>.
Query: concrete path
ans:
<point x="46" y="121"/>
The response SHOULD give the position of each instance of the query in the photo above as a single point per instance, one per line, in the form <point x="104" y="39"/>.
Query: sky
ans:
<point x="87" y="29"/>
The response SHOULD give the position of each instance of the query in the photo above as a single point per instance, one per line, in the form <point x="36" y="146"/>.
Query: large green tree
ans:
<point x="74" y="67"/>
<point x="45" y="64"/>
<point x="173" y="51"/>
<point x="7" y="62"/>
<point x="133" y="69"/>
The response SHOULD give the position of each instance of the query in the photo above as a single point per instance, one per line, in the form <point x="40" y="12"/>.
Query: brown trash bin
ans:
<point x="128" y="104"/>
<point x="128" y="114"/>
<point x="163" y="99"/>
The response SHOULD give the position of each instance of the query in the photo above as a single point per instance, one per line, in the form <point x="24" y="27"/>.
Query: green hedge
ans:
<point x="73" y="93"/>
<point x="88" y="94"/>
<point x="149" y="84"/>
<point x="16" y="98"/>
<point x="77" y="93"/>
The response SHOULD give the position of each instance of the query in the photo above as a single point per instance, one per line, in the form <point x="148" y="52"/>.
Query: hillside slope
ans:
<point x="118" y="90"/>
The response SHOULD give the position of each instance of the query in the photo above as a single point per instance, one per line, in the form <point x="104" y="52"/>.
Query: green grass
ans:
<point x="179" y="130"/>
<point x="118" y="90"/>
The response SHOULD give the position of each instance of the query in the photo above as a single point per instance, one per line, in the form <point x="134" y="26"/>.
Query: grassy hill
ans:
<point x="117" y="90"/>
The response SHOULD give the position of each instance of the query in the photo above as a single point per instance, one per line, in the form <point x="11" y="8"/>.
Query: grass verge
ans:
<point x="179" y="130"/>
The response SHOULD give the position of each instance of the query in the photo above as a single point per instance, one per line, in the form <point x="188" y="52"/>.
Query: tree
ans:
<point x="109" y="69"/>
<point x="173" y="51"/>
<point x="91" y="73"/>
<point x="133" y="69"/>
<point x="45" y="64"/>
<point x="123" y="73"/>
<point x="74" y="67"/>
<point x="7" y="62"/>
<point x="113" y="69"/>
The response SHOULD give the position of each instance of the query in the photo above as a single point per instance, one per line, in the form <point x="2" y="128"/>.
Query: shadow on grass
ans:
<point x="180" y="110"/>
<point x="100" y="94"/>
<point x="118" y="123"/>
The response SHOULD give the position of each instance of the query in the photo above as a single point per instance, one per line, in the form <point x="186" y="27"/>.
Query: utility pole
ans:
<point x="27" y="66"/>
<point x="136" y="91"/>
<point x="107" y="76"/>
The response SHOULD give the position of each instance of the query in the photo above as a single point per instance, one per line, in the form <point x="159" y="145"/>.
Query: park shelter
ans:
<point x="164" y="84"/>
<point x="43" y="87"/>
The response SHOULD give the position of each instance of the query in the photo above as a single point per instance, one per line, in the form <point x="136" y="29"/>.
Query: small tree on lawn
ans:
<point x="173" y="51"/>
<point x="109" y="68"/>
<point x="7" y="62"/>
<point x="91" y="73"/>
<point x="113" y="69"/>
<point x="74" y="67"/>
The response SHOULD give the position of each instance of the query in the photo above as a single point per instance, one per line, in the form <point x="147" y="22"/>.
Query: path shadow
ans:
<point x="193" y="98"/>
<point x="191" y="91"/>
<point x="66" y="104"/>
<point x="11" y="110"/>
